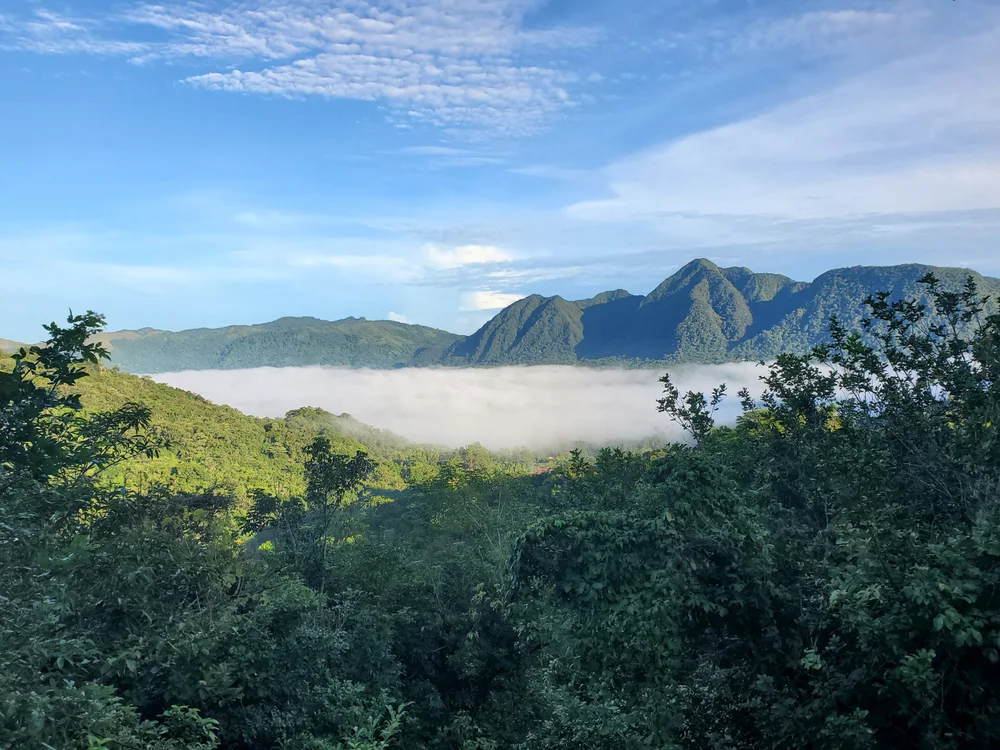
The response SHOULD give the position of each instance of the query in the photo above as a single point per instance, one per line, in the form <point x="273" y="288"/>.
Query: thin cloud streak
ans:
<point x="466" y="255"/>
<point x="488" y="300"/>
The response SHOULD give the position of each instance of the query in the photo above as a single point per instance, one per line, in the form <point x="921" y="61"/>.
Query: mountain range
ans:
<point x="702" y="313"/>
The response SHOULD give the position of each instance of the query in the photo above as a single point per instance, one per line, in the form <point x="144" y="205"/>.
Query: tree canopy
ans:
<point x="823" y="573"/>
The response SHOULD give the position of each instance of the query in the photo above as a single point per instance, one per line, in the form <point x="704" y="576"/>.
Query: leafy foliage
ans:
<point x="823" y="574"/>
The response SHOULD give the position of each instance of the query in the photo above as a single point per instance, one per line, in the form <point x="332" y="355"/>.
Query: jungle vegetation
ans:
<point x="822" y="574"/>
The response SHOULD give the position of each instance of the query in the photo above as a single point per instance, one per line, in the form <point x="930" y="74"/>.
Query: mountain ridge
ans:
<point x="702" y="313"/>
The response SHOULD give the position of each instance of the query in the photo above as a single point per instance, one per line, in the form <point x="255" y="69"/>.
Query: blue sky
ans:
<point x="187" y="164"/>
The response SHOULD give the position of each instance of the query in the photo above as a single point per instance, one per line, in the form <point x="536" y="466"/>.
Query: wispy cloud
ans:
<point x="396" y="317"/>
<point x="822" y="30"/>
<point x="455" y="63"/>
<point x="449" y="156"/>
<point x="488" y="300"/>
<point x="550" y="172"/>
<point x="912" y="136"/>
<point x="435" y="151"/>
<point x="45" y="32"/>
<point x="373" y="268"/>
<point x="465" y="255"/>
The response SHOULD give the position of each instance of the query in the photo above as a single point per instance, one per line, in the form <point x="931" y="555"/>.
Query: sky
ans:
<point x="187" y="164"/>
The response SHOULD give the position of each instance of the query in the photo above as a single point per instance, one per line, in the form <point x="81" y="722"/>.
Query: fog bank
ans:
<point x="503" y="407"/>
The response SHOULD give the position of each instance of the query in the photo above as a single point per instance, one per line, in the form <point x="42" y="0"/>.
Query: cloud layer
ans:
<point x="454" y="63"/>
<point x="538" y="407"/>
<point x="915" y="136"/>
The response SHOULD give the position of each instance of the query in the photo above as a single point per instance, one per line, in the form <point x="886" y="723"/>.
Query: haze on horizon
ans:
<point x="179" y="165"/>
<point x="542" y="408"/>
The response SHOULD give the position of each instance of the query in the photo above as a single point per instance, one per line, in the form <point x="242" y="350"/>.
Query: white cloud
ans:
<point x="521" y="276"/>
<point x="488" y="300"/>
<point x="396" y="317"/>
<point x="465" y="255"/>
<point x="447" y="62"/>
<point x="45" y="32"/>
<point x="499" y="407"/>
<point x="917" y="135"/>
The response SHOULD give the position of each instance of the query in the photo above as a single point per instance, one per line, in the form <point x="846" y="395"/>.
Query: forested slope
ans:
<point x="205" y="446"/>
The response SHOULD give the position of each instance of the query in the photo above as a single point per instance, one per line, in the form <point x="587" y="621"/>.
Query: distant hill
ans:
<point x="702" y="313"/>
<point x="352" y="342"/>
<point x="6" y="345"/>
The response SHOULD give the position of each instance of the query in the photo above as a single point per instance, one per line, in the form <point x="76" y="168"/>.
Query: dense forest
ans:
<point x="204" y="446"/>
<point x="822" y="574"/>
<point x="700" y="314"/>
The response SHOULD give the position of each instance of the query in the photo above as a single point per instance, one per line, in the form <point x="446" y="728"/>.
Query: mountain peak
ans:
<point x="686" y="277"/>
<point x="696" y="264"/>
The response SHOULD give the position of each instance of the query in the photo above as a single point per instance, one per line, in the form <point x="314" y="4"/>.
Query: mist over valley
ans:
<point x="541" y="407"/>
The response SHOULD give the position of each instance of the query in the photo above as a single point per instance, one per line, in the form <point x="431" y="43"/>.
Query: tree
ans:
<point x="330" y="477"/>
<point x="41" y="431"/>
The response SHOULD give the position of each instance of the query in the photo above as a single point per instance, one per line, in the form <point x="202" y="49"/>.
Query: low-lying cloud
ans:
<point x="538" y="407"/>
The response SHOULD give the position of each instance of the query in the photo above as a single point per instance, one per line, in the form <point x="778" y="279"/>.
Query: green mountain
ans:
<point x="533" y="329"/>
<point x="703" y="313"/>
<point x="352" y="342"/>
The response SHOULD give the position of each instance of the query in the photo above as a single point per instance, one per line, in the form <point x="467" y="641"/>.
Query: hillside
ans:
<point x="351" y="342"/>
<point x="703" y="313"/>
<point x="212" y="446"/>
